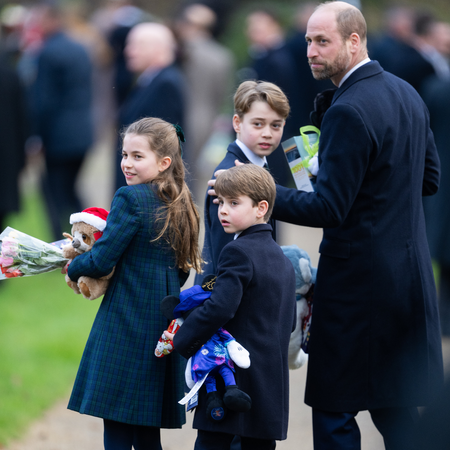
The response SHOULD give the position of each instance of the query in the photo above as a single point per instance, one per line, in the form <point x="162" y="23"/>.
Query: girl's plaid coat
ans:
<point x="119" y="377"/>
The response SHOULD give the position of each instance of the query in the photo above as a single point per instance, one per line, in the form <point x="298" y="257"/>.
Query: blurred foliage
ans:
<point x="43" y="329"/>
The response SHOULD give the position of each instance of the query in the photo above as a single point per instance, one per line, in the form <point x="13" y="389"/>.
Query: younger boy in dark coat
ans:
<point x="254" y="299"/>
<point x="260" y="112"/>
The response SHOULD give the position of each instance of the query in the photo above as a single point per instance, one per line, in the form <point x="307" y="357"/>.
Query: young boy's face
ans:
<point x="260" y="129"/>
<point x="238" y="214"/>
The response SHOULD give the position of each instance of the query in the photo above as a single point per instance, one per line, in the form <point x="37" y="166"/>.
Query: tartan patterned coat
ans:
<point x="119" y="377"/>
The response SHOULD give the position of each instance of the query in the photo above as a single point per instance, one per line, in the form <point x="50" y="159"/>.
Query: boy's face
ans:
<point x="238" y="214"/>
<point x="260" y="129"/>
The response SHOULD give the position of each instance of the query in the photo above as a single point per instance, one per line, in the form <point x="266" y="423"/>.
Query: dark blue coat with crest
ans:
<point x="254" y="300"/>
<point x="375" y="337"/>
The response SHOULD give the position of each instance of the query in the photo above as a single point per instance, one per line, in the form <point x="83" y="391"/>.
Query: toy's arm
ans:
<point x="239" y="354"/>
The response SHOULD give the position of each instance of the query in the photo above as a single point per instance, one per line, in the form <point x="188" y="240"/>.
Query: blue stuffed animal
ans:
<point x="215" y="359"/>
<point x="305" y="278"/>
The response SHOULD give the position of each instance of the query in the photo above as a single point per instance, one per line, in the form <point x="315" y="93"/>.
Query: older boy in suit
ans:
<point x="254" y="299"/>
<point x="261" y="109"/>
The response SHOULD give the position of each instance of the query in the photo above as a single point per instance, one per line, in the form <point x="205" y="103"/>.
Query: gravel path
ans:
<point x="61" y="429"/>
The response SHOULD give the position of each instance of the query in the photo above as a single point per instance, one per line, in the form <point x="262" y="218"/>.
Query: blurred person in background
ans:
<point x="270" y="60"/>
<point x="159" y="89"/>
<point x="14" y="131"/>
<point x="209" y="69"/>
<point x="430" y="42"/>
<point x="436" y="94"/>
<point x="305" y="87"/>
<point x="396" y="49"/>
<point x="61" y="101"/>
<point x="124" y="16"/>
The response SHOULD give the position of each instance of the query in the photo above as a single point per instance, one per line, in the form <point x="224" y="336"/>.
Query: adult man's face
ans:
<point x="139" y="50"/>
<point x="328" y="56"/>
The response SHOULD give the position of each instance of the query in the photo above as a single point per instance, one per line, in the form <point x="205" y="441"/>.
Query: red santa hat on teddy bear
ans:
<point x="92" y="216"/>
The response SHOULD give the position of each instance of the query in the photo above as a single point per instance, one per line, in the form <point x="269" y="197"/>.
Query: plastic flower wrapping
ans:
<point x="23" y="255"/>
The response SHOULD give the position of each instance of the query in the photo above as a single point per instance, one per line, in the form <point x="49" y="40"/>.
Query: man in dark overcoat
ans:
<point x="15" y="128"/>
<point x="375" y="337"/>
<point x="160" y="87"/>
<point x="61" y="102"/>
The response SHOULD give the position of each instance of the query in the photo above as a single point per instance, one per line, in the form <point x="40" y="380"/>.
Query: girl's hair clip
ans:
<point x="180" y="133"/>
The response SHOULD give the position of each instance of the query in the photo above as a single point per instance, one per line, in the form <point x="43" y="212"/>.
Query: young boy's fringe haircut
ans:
<point x="252" y="91"/>
<point x="182" y="220"/>
<point x="250" y="180"/>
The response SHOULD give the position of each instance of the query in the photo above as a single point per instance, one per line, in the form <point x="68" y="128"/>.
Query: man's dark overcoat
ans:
<point x="375" y="338"/>
<point x="253" y="299"/>
<point x="119" y="377"/>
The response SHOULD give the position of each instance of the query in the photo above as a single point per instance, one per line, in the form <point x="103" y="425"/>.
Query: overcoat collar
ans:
<point x="366" y="71"/>
<point x="256" y="229"/>
<point x="234" y="148"/>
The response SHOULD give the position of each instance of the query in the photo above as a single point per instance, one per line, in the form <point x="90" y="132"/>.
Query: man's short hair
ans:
<point x="252" y="91"/>
<point x="349" y="19"/>
<point x="250" y="180"/>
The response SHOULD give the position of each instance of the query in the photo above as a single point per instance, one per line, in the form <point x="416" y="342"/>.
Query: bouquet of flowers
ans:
<point x="23" y="255"/>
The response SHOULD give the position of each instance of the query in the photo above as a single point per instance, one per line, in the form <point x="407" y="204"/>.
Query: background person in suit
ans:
<point x="254" y="280"/>
<point x="15" y="128"/>
<point x="436" y="95"/>
<point x="61" y="101"/>
<point x="375" y="337"/>
<point x="208" y="67"/>
<point x="120" y="379"/>
<point x="159" y="90"/>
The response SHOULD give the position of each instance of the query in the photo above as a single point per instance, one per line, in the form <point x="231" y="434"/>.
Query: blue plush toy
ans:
<point x="215" y="359"/>
<point x="305" y="278"/>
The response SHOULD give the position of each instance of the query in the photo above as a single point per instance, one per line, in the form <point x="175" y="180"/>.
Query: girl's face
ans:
<point x="140" y="164"/>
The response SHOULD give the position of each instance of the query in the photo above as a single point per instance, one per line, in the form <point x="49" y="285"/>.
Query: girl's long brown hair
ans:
<point x="182" y="222"/>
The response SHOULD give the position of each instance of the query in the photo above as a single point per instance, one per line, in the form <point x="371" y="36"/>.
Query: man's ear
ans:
<point x="263" y="207"/>
<point x="164" y="163"/>
<point x="237" y="123"/>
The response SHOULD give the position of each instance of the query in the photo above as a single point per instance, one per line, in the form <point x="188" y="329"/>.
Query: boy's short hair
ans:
<point x="250" y="180"/>
<point x="251" y="91"/>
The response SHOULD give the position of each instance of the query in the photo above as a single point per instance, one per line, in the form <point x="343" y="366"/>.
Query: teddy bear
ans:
<point x="305" y="278"/>
<point x="216" y="357"/>
<point x="87" y="228"/>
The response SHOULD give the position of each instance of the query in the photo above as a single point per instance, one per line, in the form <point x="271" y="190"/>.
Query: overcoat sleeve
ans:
<point x="234" y="273"/>
<point x="122" y="224"/>
<point x="432" y="167"/>
<point x="343" y="160"/>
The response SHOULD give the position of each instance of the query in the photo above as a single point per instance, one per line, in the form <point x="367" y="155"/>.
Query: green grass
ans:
<point x="43" y="329"/>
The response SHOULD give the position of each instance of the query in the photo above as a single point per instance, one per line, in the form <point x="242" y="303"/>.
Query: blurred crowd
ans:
<point x="71" y="78"/>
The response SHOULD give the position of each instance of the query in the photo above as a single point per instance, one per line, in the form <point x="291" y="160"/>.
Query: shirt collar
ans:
<point x="255" y="159"/>
<point x="364" y="61"/>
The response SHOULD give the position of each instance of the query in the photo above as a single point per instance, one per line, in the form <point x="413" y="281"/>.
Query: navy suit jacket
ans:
<point x="215" y="236"/>
<point x="162" y="97"/>
<point x="254" y="299"/>
<point x="62" y="98"/>
<point x="375" y="337"/>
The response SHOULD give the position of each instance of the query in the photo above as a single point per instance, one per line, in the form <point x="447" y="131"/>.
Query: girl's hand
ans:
<point x="64" y="269"/>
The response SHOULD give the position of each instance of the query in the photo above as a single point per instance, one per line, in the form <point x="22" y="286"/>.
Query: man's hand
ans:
<point x="211" y="183"/>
